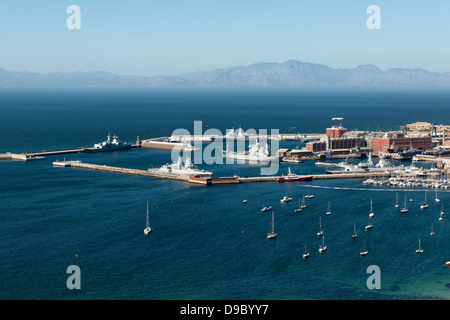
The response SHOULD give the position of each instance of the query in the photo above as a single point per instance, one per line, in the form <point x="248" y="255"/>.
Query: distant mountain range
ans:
<point x="290" y="74"/>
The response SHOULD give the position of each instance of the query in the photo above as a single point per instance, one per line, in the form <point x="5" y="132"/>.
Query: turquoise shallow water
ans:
<point x="206" y="244"/>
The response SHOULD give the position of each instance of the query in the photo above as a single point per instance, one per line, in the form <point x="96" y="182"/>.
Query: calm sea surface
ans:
<point x="207" y="244"/>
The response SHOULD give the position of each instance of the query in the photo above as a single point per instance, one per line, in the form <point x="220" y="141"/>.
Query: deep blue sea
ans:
<point x="206" y="243"/>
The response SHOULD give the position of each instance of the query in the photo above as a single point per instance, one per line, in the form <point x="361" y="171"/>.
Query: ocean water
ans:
<point x="207" y="244"/>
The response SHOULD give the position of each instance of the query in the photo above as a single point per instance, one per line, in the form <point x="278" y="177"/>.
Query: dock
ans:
<point x="98" y="167"/>
<point x="164" y="143"/>
<point x="20" y="156"/>
<point x="40" y="155"/>
<point x="208" y="181"/>
<point x="320" y="177"/>
<point x="430" y="158"/>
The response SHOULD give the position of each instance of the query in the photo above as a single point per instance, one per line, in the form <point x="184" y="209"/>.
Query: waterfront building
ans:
<point x="336" y="131"/>
<point x="397" y="142"/>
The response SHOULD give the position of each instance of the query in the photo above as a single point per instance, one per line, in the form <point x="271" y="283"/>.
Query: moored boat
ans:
<point x="147" y="230"/>
<point x="365" y="251"/>
<point x="258" y="153"/>
<point x="306" y="253"/>
<point x="272" y="234"/>
<point x="187" y="169"/>
<point x="109" y="145"/>
<point x="419" y="250"/>
<point x="292" y="177"/>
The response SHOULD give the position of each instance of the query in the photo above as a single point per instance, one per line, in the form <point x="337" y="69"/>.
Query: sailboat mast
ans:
<point x="273" y="222"/>
<point x="147" y="215"/>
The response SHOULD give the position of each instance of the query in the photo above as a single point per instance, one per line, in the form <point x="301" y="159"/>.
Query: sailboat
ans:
<point x="329" y="209"/>
<point x="322" y="247"/>
<point x="370" y="225"/>
<point x="419" y="250"/>
<point x="306" y="253"/>
<point x="320" y="233"/>
<point x="272" y="235"/>
<point x="371" y="214"/>
<point x="299" y="209"/>
<point x="285" y="199"/>
<point x="363" y="253"/>
<point x="432" y="232"/>
<point x="354" y="235"/>
<point x="147" y="230"/>
<point x="442" y="213"/>
<point x="425" y="204"/>
<point x="404" y="209"/>
<point x="437" y="198"/>
<point x="303" y="206"/>
<point x="396" y="200"/>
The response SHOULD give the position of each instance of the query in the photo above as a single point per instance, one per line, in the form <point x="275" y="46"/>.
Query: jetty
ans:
<point x="206" y="181"/>
<point x="40" y="155"/>
<point x="147" y="173"/>
<point x="165" y="143"/>
<point x="99" y="167"/>
<point x="20" y="156"/>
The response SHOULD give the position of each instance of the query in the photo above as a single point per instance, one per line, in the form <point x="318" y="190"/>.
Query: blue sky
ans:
<point x="148" y="38"/>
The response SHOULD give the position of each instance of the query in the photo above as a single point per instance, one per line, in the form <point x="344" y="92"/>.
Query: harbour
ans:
<point x="206" y="242"/>
<point x="205" y="156"/>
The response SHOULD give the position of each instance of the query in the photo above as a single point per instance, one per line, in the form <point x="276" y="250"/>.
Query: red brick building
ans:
<point x="335" y="144"/>
<point x="336" y="132"/>
<point x="392" y="144"/>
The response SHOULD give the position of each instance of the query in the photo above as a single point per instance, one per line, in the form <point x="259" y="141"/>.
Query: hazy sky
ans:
<point x="167" y="37"/>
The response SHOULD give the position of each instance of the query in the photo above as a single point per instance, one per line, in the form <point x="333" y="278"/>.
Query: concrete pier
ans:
<point x="26" y="156"/>
<point x="79" y="164"/>
<point x="163" y="143"/>
<point x="20" y="156"/>
<point x="208" y="181"/>
<point x="351" y="175"/>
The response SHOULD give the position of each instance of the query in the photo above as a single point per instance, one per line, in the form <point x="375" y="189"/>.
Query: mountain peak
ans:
<point x="368" y="68"/>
